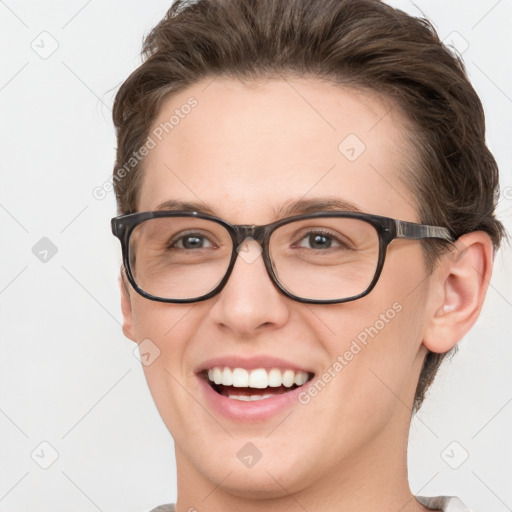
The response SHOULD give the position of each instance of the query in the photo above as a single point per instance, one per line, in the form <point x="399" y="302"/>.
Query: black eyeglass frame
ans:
<point x="387" y="229"/>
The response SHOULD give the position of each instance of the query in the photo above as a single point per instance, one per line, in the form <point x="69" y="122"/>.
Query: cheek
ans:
<point x="165" y="324"/>
<point x="374" y="343"/>
<point x="163" y="332"/>
<point x="372" y="373"/>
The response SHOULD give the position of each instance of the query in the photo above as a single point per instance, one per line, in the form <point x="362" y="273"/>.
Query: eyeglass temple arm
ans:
<point x="415" y="231"/>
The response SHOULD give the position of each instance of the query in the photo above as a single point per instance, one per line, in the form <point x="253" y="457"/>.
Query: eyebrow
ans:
<point x="288" y="208"/>
<point x="187" y="206"/>
<point x="296" y="207"/>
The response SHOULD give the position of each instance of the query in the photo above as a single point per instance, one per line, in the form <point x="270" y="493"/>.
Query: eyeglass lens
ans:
<point x="323" y="258"/>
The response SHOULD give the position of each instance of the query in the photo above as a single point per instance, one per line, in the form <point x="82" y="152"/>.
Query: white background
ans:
<point x="69" y="378"/>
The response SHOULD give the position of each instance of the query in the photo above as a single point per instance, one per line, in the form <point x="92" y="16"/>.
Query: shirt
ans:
<point x="443" y="503"/>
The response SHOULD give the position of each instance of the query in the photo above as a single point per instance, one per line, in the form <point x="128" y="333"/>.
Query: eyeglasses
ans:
<point x="317" y="258"/>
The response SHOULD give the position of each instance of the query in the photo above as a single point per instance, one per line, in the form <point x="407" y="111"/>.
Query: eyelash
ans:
<point x="326" y="233"/>
<point x="313" y="232"/>
<point x="183" y="236"/>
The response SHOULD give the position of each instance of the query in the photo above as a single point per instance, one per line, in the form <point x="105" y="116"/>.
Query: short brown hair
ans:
<point x="364" y="44"/>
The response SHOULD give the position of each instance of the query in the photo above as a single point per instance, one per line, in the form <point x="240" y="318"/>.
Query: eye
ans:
<point x="191" y="241"/>
<point x="320" y="240"/>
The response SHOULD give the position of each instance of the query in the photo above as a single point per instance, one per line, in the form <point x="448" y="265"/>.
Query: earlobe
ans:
<point x="126" y="308"/>
<point x="460" y="285"/>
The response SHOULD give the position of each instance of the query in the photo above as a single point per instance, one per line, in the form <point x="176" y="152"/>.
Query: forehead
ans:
<point x="245" y="149"/>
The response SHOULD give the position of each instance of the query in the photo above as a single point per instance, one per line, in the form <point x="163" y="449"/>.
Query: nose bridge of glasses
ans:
<point x="245" y="236"/>
<point x="246" y="231"/>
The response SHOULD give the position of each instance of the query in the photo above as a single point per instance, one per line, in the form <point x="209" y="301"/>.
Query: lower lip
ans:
<point x="242" y="411"/>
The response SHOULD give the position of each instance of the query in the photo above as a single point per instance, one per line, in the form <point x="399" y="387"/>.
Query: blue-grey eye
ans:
<point x="192" y="241"/>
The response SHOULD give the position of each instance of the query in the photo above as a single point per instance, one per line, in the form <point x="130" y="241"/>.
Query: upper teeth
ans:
<point x="259" y="378"/>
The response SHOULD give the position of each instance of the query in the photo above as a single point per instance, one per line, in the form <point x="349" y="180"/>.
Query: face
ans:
<point x="245" y="152"/>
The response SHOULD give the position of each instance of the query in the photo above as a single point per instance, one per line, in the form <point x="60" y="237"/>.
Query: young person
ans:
<point x="307" y="220"/>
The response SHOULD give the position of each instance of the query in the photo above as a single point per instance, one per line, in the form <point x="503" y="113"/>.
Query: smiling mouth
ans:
<point x="251" y="385"/>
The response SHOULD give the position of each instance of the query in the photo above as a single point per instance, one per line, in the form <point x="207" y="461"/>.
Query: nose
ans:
<point x="250" y="302"/>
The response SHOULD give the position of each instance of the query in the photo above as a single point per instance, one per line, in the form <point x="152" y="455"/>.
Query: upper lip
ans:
<point x="251" y="363"/>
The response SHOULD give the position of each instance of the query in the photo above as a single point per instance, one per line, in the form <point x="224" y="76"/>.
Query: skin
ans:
<point x="245" y="150"/>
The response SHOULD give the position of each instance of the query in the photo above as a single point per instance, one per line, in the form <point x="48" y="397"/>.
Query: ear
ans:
<point x="460" y="284"/>
<point x="126" y="307"/>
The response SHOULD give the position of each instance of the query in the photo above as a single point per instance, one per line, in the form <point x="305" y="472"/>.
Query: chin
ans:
<point x="261" y="481"/>
<point x="248" y="466"/>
